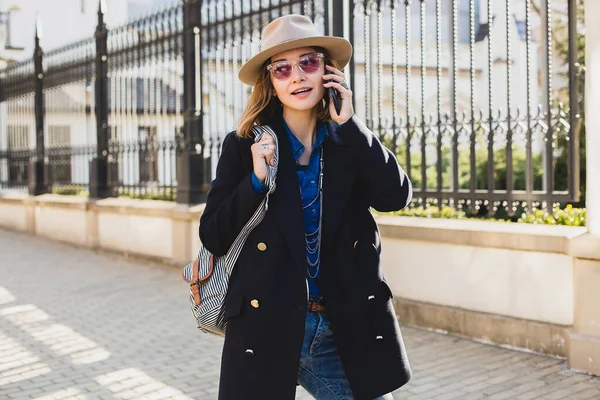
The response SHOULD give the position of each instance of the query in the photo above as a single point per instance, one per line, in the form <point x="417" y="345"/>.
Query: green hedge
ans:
<point x="567" y="216"/>
<point x="71" y="191"/>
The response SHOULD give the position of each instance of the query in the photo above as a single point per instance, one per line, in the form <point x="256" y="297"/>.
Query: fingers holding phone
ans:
<point x="340" y="94"/>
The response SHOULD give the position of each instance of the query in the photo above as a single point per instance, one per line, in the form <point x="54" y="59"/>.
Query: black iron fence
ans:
<point x="471" y="95"/>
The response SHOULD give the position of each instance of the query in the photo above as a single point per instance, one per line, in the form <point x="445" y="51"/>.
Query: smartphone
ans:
<point x="337" y="101"/>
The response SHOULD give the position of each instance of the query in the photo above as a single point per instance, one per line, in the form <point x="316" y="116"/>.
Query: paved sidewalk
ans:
<point x="79" y="325"/>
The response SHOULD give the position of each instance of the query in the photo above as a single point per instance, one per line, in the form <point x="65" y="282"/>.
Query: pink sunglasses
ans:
<point x="309" y="64"/>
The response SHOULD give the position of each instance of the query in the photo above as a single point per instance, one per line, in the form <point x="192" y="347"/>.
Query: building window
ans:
<point x="59" y="136"/>
<point x="59" y="153"/>
<point x="18" y="154"/>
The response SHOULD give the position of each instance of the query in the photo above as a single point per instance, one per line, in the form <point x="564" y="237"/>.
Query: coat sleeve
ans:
<point x="231" y="200"/>
<point x="390" y="187"/>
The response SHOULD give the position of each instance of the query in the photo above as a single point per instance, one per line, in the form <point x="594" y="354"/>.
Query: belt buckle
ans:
<point x="315" y="307"/>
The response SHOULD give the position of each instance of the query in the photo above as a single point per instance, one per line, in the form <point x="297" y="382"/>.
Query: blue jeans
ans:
<point x="321" y="372"/>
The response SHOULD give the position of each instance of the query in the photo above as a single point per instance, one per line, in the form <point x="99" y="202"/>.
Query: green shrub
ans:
<point x="167" y="194"/>
<point x="432" y="212"/>
<point x="71" y="191"/>
<point x="568" y="216"/>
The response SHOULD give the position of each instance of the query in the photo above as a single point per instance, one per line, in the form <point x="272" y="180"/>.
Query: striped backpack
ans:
<point x="208" y="275"/>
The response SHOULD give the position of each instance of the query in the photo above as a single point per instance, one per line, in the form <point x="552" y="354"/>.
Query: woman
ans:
<point x="307" y="302"/>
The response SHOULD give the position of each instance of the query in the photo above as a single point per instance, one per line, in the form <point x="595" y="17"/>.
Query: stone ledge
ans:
<point x="586" y="246"/>
<point x="149" y="208"/>
<point x="528" y="237"/>
<point x="145" y="208"/>
<point x="584" y="353"/>
<point x="541" y="238"/>
<point x="195" y="212"/>
<point x="497" y="329"/>
<point x="20" y="198"/>
<point x="58" y="201"/>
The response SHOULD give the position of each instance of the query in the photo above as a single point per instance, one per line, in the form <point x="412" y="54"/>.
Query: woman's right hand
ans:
<point x="263" y="154"/>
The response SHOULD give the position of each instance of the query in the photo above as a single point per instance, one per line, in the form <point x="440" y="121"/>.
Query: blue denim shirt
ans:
<point x="308" y="179"/>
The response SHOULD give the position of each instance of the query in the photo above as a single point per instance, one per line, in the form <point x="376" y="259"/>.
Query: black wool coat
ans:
<point x="266" y="302"/>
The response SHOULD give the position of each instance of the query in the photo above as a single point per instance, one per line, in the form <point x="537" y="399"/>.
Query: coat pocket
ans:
<point x="381" y="315"/>
<point x="379" y="293"/>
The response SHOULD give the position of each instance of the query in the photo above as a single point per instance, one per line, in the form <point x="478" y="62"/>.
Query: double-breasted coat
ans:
<point x="266" y="303"/>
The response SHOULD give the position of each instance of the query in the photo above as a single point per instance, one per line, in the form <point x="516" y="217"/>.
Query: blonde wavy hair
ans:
<point x="262" y="105"/>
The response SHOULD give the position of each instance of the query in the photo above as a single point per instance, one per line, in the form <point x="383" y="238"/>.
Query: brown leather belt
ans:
<point x="316" y="307"/>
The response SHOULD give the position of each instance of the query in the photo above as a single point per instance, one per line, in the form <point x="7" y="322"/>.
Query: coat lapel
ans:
<point x="338" y="176"/>
<point x="289" y="204"/>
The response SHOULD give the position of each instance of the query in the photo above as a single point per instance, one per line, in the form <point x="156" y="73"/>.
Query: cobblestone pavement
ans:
<point x="75" y="324"/>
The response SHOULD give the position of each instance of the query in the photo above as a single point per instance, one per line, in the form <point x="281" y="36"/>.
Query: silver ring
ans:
<point x="344" y="85"/>
<point x="265" y="146"/>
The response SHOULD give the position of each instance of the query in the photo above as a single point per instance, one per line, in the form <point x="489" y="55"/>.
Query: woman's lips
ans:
<point x="302" y="95"/>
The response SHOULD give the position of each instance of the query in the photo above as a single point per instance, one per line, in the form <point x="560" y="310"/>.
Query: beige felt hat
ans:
<point x="291" y="32"/>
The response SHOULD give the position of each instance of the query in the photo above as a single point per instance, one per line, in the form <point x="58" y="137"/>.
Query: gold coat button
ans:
<point x="355" y="243"/>
<point x="254" y="303"/>
<point x="379" y="338"/>
<point x="250" y="351"/>
<point x="261" y="246"/>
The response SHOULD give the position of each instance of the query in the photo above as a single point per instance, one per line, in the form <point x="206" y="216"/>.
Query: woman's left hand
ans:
<point x="337" y="81"/>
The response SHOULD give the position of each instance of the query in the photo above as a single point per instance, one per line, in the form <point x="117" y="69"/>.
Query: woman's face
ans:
<point x="301" y="90"/>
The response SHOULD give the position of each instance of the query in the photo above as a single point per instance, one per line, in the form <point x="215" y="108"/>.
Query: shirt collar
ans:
<point x="298" y="147"/>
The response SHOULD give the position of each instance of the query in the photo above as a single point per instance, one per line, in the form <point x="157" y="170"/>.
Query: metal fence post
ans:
<point x="574" y="115"/>
<point x="342" y="25"/>
<point x="99" y="187"/>
<point x="338" y="17"/>
<point x="191" y="183"/>
<point x="38" y="168"/>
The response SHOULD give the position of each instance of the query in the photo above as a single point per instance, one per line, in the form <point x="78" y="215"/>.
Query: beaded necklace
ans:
<point x="313" y="239"/>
